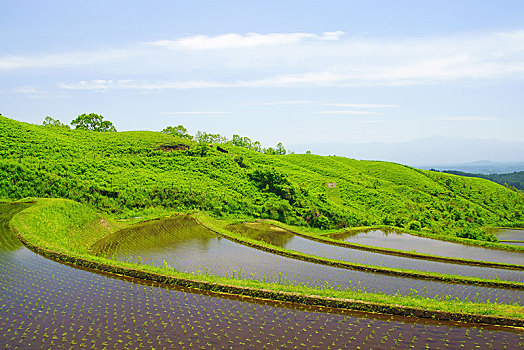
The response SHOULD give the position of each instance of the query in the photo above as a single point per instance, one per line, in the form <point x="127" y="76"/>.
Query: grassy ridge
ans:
<point x="29" y="227"/>
<point x="129" y="174"/>
<point x="62" y="225"/>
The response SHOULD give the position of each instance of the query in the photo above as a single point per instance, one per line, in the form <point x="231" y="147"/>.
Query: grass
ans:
<point x="62" y="224"/>
<point x="46" y="238"/>
<point x="128" y="174"/>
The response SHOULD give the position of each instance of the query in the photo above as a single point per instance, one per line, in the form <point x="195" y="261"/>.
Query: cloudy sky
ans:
<point x="291" y="71"/>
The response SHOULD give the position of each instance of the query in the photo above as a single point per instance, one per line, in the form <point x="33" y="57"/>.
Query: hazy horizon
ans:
<point x="437" y="151"/>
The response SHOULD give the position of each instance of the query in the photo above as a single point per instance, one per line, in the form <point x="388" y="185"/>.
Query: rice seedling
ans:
<point x="45" y="304"/>
<point x="184" y="245"/>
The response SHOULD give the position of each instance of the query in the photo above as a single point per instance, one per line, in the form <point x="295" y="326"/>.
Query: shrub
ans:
<point x="414" y="225"/>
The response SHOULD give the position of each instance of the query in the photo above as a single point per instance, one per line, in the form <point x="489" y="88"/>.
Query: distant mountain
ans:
<point x="483" y="167"/>
<point x="431" y="152"/>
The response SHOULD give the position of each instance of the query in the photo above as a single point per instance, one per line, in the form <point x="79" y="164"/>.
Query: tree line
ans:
<point x="96" y="122"/>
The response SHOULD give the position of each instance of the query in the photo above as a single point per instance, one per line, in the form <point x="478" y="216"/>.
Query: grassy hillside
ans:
<point x="62" y="225"/>
<point x="128" y="174"/>
<point x="515" y="179"/>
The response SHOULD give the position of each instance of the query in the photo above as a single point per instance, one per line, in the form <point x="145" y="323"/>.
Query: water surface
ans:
<point x="411" y="243"/>
<point x="509" y="236"/>
<point x="185" y="245"/>
<point x="44" y="304"/>
<point x="277" y="236"/>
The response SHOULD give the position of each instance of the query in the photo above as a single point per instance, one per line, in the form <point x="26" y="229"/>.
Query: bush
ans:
<point x="414" y="225"/>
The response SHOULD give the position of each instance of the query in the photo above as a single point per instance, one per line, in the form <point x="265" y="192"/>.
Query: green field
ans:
<point x="142" y="174"/>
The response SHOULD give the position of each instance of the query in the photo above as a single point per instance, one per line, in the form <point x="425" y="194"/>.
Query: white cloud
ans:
<point x="235" y="41"/>
<point x="290" y="60"/>
<point x="101" y="85"/>
<point x="313" y="78"/>
<point x="358" y="105"/>
<point x="283" y="102"/>
<point x="349" y="112"/>
<point x="63" y="59"/>
<point x="196" y="113"/>
<point x="325" y="78"/>
<point x="28" y="89"/>
<point x="467" y="118"/>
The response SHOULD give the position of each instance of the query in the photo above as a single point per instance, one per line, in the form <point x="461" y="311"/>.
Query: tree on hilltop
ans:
<point x="204" y="137"/>
<point x="93" y="122"/>
<point x="178" y="130"/>
<point x="48" y="121"/>
<point x="280" y="149"/>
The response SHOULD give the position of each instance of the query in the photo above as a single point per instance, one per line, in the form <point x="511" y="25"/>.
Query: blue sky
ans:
<point x="291" y="71"/>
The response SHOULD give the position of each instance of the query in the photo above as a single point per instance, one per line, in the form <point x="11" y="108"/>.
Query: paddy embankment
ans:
<point x="47" y="304"/>
<point x="416" y="302"/>
<point x="280" y="237"/>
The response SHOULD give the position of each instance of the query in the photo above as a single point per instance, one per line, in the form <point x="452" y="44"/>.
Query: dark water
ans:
<point x="185" y="245"/>
<point x="282" y="238"/>
<point x="47" y="305"/>
<point x="411" y="243"/>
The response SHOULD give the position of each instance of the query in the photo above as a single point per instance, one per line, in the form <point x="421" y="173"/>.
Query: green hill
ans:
<point x="514" y="179"/>
<point x="142" y="173"/>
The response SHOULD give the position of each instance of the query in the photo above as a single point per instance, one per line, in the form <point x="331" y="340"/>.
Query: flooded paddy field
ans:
<point x="181" y="243"/>
<point x="404" y="241"/>
<point x="45" y="304"/>
<point x="277" y="236"/>
<point x="509" y="236"/>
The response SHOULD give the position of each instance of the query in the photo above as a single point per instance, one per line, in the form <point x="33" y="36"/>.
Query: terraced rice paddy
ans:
<point x="286" y="239"/>
<point x="44" y="304"/>
<point x="404" y="241"/>
<point x="509" y="236"/>
<point x="184" y="245"/>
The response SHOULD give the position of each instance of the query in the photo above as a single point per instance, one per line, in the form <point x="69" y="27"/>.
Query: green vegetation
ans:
<point x="62" y="224"/>
<point x="145" y="174"/>
<point x="50" y="122"/>
<point x="82" y="220"/>
<point x="513" y="180"/>
<point x="178" y="131"/>
<point x="93" y="122"/>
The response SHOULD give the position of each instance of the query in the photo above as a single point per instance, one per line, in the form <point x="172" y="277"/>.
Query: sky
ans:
<point x="276" y="71"/>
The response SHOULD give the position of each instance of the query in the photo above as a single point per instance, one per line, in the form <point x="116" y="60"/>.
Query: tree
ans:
<point x="204" y="137"/>
<point x="93" y="122"/>
<point x="237" y="141"/>
<point x="272" y="180"/>
<point x="280" y="149"/>
<point x="178" y="130"/>
<point x="269" y="150"/>
<point x="48" y="121"/>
